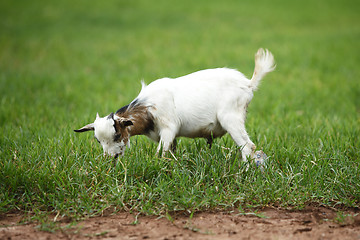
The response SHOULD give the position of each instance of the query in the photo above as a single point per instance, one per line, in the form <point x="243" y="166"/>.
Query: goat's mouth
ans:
<point x="116" y="156"/>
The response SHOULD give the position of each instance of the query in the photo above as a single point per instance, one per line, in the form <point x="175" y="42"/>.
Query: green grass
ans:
<point x="61" y="62"/>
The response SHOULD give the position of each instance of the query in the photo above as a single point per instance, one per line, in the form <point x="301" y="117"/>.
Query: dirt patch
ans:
<point x="269" y="223"/>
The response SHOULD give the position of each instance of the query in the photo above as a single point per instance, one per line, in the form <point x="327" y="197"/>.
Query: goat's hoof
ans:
<point x="260" y="159"/>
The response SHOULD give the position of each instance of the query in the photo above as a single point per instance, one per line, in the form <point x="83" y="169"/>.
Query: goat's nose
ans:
<point x="116" y="156"/>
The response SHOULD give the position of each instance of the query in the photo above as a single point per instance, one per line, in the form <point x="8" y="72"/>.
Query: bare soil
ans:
<point x="268" y="223"/>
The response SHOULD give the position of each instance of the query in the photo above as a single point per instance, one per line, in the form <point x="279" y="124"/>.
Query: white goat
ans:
<point x="207" y="103"/>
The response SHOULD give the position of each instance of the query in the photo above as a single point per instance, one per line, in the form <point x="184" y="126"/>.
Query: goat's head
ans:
<point x="111" y="132"/>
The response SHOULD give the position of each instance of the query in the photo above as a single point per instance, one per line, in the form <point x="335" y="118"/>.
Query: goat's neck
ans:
<point x="141" y="125"/>
<point x="142" y="119"/>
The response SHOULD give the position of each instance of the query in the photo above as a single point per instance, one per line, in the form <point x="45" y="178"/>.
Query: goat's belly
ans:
<point x="212" y="130"/>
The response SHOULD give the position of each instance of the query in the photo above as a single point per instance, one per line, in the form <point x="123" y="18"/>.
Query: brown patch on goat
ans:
<point x="141" y="118"/>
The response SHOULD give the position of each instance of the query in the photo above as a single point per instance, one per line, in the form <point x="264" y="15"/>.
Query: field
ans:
<point x="62" y="62"/>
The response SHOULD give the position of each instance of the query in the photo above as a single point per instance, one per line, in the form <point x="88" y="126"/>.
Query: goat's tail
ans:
<point x="264" y="63"/>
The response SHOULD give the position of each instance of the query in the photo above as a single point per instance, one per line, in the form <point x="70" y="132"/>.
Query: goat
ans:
<point x="207" y="104"/>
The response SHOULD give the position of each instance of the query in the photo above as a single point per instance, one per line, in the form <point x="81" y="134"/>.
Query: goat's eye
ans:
<point x="117" y="137"/>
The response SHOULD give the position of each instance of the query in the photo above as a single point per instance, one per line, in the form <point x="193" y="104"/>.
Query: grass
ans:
<point x="61" y="62"/>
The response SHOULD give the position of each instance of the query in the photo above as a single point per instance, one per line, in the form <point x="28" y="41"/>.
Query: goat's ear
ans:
<point x="123" y="122"/>
<point x="89" y="127"/>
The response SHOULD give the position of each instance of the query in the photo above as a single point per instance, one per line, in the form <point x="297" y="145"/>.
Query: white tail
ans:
<point x="264" y="63"/>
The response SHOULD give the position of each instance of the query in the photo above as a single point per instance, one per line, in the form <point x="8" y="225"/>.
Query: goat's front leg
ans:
<point x="167" y="140"/>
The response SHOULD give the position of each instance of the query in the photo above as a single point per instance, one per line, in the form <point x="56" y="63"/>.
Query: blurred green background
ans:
<point x="88" y="56"/>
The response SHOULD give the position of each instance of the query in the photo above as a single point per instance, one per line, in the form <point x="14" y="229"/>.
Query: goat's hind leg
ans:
<point x="210" y="141"/>
<point x="244" y="142"/>
<point x="234" y="124"/>
<point x="173" y="146"/>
